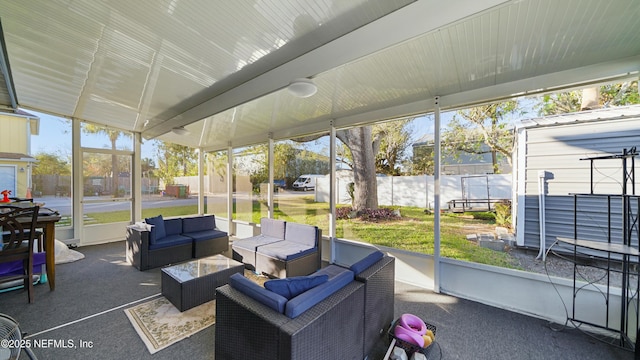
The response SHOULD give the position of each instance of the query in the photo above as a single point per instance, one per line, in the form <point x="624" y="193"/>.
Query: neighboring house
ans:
<point x="15" y="151"/>
<point x="463" y="163"/>
<point x="553" y="154"/>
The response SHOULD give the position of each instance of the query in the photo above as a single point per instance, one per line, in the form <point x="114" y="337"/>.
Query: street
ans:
<point x="93" y="204"/>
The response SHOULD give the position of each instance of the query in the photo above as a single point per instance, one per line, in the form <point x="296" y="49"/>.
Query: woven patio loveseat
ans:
<point x="341" y="318"/>
<point x="282" y="249"/>
<point x="159" y="241"/>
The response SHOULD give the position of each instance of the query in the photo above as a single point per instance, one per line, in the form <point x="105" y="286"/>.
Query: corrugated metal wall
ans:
<point x="559" y="149"/>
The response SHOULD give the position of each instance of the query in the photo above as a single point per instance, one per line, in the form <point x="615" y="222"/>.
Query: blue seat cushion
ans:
<point x="311" y="297"/>
<point x="367" y="261"/>
<point x="205" y="235"/>
<point x="158" y="230"/>
<point x="286" y="250"/>
<point x="294" y="286"/>
<point x="170" y="240"/>
<point x="253" y="243"/>
<point x="257" y="292"/>
<point x="173" y="226"/>
<point x="302" y="234"/>
<point x="198" y="223"/>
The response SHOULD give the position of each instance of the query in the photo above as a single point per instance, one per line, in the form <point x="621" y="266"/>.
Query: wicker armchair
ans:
<point x="349" y="324"/>
<point x="246" y="329"/>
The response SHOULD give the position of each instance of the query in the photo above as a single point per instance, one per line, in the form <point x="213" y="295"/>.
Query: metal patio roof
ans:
<point x="221" y="68"/>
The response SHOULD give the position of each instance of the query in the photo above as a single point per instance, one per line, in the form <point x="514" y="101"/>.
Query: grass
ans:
<point x="413" y="232"/>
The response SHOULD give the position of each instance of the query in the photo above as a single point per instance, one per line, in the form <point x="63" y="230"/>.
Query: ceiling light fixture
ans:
<point x="180" y="130"/>
<point x="302" y="88"/>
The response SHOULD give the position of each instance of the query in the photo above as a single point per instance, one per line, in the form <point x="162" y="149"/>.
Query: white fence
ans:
<point x="418" y="190"/>
<point x="402" y="190"/>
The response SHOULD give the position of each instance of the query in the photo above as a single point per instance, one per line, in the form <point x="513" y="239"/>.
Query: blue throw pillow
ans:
<point x="294" y="286"/>
<point x="158" y="227"/>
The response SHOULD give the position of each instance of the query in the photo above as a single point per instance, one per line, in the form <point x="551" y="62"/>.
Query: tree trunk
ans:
<point x="494" y="161"/>
<point x="590" y="99"/>
<point x="360" y="142"/>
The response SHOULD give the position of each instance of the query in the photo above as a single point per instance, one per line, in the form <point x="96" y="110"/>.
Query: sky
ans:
<point x="54" y="137"/>
<point x="54" y="134"/>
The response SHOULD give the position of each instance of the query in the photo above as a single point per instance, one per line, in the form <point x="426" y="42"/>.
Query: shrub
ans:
<point x="484" y="216"/>
<point x="380" y="214"/>
<point x="503" y="214"/>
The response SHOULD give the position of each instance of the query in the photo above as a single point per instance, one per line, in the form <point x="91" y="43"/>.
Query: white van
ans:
<point x="306" y="182"/>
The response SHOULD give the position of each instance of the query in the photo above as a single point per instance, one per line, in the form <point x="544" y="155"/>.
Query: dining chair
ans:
<point x="18" y="228"/>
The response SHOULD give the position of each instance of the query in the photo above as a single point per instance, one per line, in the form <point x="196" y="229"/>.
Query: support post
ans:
<point x="232" y="230"/>
<point x="332" y="192"/>
<point x="270" y="187"/>
<point x="436" y="198"/>
<point x="200" y="182"/>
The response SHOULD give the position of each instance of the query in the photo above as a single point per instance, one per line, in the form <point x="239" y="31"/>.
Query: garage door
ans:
<point x="8" y="178"/>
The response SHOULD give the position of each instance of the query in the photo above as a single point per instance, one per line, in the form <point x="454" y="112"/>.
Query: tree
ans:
<point x="423" y="161"/>
<point x="619" y="94"/>
<point x="113" y="136"/>
<point x="482" y="129"/>
<point x="394" y="139"/>
<point x="147" y="166"/>
<point x="175" y="160"/>
<point x="363" y="146"/>
<point x="48" y="164"/>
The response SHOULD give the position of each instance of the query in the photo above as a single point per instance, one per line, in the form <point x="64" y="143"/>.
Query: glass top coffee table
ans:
<point x="194" y="282"/>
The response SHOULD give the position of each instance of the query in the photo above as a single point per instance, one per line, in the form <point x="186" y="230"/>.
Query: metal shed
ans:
<point x="553" y="158"/>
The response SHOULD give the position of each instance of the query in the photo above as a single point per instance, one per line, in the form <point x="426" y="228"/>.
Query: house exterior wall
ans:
<point x="14" y="133"/>
<point x="558" y="148"/>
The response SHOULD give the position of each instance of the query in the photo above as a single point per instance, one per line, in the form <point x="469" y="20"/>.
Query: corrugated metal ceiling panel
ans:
<point x="147" y="65"/>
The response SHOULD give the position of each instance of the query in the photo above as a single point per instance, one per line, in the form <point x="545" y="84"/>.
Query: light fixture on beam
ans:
<point x="302" y="87"/>
<point x="180" y="130"/>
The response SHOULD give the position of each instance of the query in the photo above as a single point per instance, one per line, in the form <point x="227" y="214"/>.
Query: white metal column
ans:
<point x="332" y="192"/>
<point x="76" y="184"/>
<point x="436" y="198"/>
<point x="136" y="195"/>
<point x="270" y="189"/>
<point x="200" y="181"/>
<point x="232" y="229"/>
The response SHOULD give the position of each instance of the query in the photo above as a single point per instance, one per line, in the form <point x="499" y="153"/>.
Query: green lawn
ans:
<point x="413" y="232"/>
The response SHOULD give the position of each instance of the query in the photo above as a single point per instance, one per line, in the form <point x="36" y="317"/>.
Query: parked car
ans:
<point x="306" y="182"/>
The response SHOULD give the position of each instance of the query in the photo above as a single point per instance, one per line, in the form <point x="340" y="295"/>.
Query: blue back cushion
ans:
<point x="272" y="227"/>
<point x="173" y="226"/>
<point x="311" y="297"/>
<point x="158" y="230"/>
<point x="367" y="261"/>
<point x="294" y="286"/>
<point x="257" y="292"/>
<point x="198" y="223"/>
<point x="302" y="234"/>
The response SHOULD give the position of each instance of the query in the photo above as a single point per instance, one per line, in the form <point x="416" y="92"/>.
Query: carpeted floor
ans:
<point x="91" y="294"/>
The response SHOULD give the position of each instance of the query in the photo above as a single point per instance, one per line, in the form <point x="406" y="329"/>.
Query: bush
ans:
<point x="484" y="216"/>
<point x="380" y="214"/>
<point x="503" y="214"/>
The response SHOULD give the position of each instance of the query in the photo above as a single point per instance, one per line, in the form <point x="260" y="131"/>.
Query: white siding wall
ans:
<point x="558" y="149"/>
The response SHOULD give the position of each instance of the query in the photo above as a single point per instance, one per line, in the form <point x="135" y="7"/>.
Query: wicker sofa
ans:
<point x="282" y="249"/>
<point x="159" y="241"/>
<point x="316" y="324"/>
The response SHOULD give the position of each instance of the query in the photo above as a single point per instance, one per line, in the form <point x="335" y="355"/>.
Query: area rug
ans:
<point x="160" y="324"/>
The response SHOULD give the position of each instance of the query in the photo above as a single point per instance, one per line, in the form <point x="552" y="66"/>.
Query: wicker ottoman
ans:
<point x="194" y="282"/>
